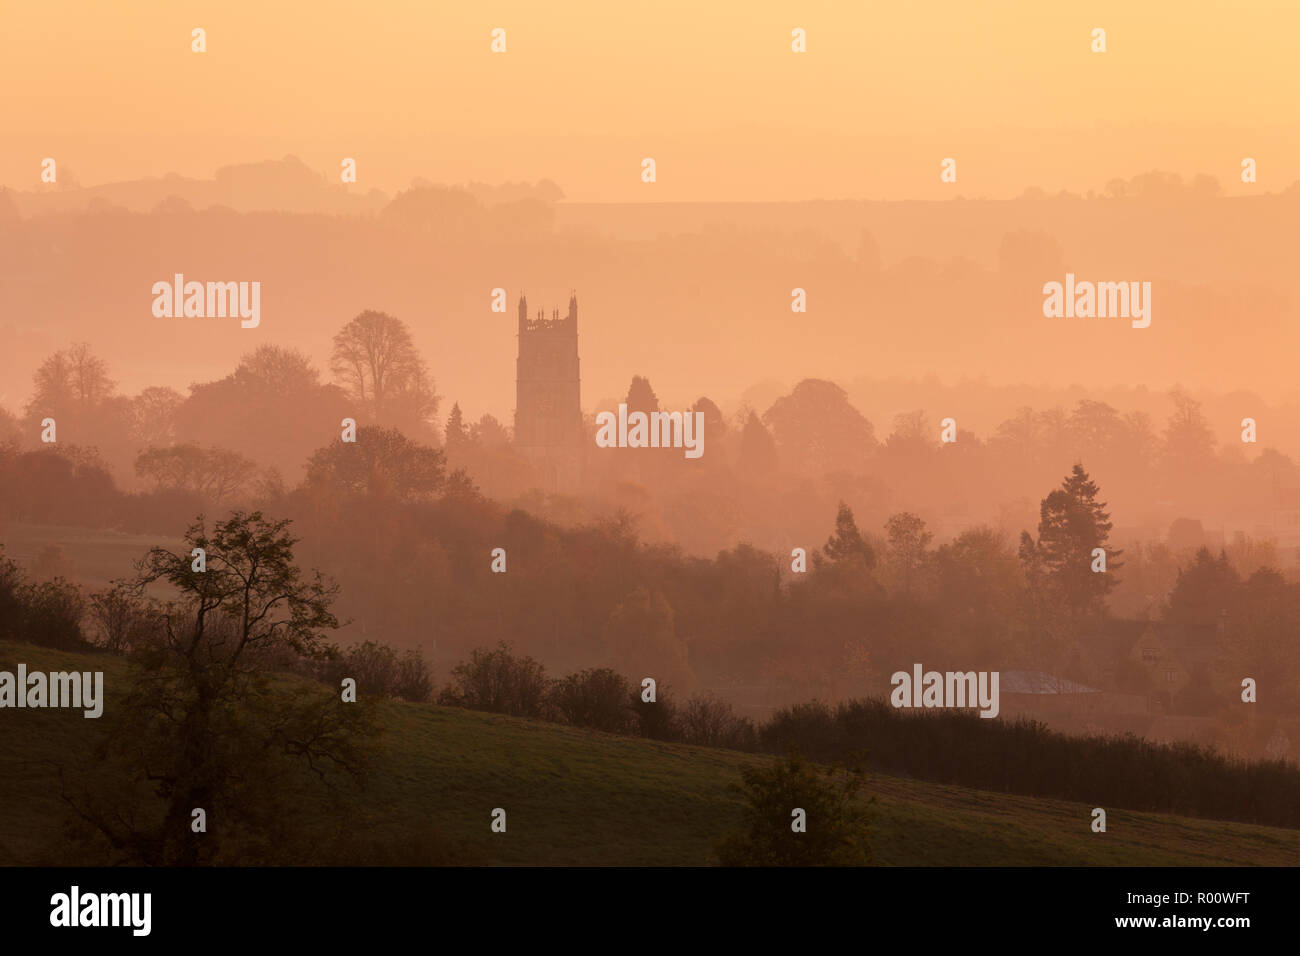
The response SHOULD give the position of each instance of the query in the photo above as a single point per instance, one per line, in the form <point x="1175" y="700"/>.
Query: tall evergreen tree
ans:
<point x="847" y="541"/>
<point x="457" y="433"/>
<point x="1072" y="524"/>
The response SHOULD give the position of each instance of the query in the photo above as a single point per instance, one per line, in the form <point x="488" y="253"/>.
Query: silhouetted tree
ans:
<point x="847" y="542"/>
<point x="596" y="698"/>
<point x="1071" y="525"/>
<point x="818" y="430"/>
<point x="377" y="362"/>
<point x="203" y="727"/>
<point x="215" y="474"/>
<point x="153" y="415"/>
<point x="381" y="462"/>
<point x="457" y="433"/>
<point x="1189" y="440"/>
<point x="496" y="680"/>
<point x="641" y="397"/>
<point x="906" y="552"/>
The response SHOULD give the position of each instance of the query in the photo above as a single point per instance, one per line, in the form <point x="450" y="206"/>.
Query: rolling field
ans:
<point x="578" y="797"/>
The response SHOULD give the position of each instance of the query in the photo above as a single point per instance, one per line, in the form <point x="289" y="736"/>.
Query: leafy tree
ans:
<point x="907" y="541"/>
<point x="204" y="726"/>
<point x="72" y="387"/>
<point x="278" y="371"/>
<point x="70" y="380"/>
<point x="47" y="613"/>
<point x="449" y="213"/>
<point x="122" y="618"/>
<point x="381" y="462"/>
<point x="982" y="584"/>
<point x="153" y="415"/>
<point x="641" y="634"/>
<point x="1189" y="440"/>
<point x="838" y="821"/>
<point x="496" y="680"/>
<point x="272" y="408"/>
<point x="912" y="435"/>
<point x="215" y="474"/>
<point x="712" y="722"/>
<point x="52" y="614"/>
<point x="489" y="432"/>
<point x="11" y="602"/>
<point x="1258" y="636"/>
<point x="656" y="719"/>
<point x="595" y="698"/>
<point x="380" y="672"/>
<point x="818" y="429"/>
<point x="376" y="359"/>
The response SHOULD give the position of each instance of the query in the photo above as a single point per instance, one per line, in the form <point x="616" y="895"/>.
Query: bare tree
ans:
<point x="71" y="379"/>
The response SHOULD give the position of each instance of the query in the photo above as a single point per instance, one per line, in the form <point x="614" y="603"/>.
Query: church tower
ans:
<point x="548" y="407"/>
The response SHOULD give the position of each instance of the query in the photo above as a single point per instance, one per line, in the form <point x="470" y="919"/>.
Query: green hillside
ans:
<point x="581" y="797"/>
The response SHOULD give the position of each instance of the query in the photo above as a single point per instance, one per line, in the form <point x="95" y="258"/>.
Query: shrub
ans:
<point x="595" y="698"/>
<point x="711" y="722"/>
<point x="497" y="681"/>
<point x="657" y="719"/>
<point x="380" y="672"/>
<point x="837" y="823"/>
<point x="52" y="613"/>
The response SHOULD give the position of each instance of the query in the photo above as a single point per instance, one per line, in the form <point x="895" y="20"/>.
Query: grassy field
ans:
<point x="580" y="797"/>
<point x="98" y="556"/>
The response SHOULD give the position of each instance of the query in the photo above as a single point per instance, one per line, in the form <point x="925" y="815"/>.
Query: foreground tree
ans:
<point x="205" y="727"/>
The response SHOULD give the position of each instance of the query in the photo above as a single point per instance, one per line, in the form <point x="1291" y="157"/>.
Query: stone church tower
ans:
<point x="549" y="430"/>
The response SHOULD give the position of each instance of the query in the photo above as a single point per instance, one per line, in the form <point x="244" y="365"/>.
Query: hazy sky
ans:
<point x="711" y="91"/>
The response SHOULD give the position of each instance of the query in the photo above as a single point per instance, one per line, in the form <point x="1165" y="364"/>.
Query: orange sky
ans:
<point x="711" y="91"/>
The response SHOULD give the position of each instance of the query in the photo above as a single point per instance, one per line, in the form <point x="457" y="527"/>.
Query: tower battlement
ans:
<point x="556" y="323"/>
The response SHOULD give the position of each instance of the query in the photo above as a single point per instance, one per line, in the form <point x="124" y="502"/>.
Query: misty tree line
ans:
<point x="407" y="529"/>
<point x="411" y="542"/>
<point x="768" y="475"/>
